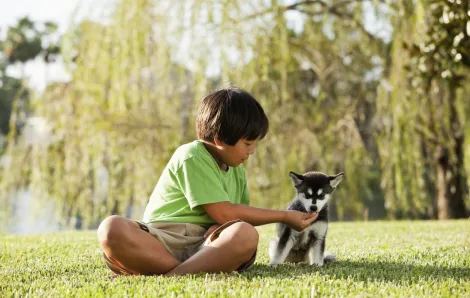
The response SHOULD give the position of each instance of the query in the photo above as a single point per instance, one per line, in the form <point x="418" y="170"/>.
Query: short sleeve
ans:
<point x="200" y="182"/>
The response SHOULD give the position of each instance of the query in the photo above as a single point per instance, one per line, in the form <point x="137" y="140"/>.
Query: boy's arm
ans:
<point x="226" y="211"/>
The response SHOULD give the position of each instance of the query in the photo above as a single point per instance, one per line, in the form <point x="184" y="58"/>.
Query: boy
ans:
<point x="203" y="186"/>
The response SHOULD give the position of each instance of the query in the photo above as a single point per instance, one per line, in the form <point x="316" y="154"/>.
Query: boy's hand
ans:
<point x="299" y="220"/>
<point x="210" y="230"/>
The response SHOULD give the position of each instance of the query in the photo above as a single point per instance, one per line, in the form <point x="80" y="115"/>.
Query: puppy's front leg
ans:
<point x="315" y="253"/>
<point x="279" y="249"/>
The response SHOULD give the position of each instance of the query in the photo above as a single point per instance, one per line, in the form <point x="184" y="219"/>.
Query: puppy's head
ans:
<point x="314" y="189"/>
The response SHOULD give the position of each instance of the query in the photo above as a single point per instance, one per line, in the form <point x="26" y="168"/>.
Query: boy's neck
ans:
<point x="214" y="152"/>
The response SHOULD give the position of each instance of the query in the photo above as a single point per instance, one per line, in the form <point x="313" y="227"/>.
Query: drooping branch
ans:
<point x="325" y="7"/>
<point x="334" y="9"/>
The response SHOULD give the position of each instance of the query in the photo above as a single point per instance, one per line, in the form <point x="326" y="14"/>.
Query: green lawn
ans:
<point x="405" y="259"/>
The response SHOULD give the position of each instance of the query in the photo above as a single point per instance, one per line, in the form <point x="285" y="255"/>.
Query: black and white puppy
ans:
<point x="313" y="190"/>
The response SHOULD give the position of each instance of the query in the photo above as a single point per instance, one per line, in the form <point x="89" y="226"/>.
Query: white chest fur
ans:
<point x="318" y="228"/>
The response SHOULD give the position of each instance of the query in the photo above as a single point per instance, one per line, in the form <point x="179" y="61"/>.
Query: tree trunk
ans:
<point x="451" y="178"/>
<point x="443" y="211"/>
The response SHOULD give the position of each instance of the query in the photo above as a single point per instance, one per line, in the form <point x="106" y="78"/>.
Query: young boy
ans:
<point x="198" y="218"/>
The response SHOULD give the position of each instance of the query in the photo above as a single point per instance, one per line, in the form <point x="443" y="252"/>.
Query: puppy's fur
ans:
<point x="313" y="190"/>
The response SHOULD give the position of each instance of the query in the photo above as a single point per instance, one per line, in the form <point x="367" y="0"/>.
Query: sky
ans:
<point x="64" y="13"/>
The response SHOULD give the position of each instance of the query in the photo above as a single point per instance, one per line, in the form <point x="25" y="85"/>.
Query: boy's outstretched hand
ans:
<point x="299" y="220"/>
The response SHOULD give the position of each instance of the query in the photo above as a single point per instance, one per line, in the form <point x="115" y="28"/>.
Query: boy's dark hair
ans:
<point x="231" y="114"/>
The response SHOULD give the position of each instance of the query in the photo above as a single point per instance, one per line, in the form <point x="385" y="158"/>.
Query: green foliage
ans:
<point x="339" y="99"/>
<point x="130" y="105"/>
<point x="446" y="45"/>
<point x="8" y="91"/>
<point x="379" y="259"/>
<point x="26" y="41"/>
<point x="422" y="112"/>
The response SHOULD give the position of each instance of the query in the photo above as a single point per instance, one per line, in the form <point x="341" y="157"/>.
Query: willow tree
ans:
<point x="309" y="86"/>
<point x="423" y="110"/>
<point x="137" y="79"/>
<point x="114" y="124"/>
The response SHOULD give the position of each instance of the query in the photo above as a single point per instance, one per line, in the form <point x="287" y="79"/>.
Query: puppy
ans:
<point x="313" y="190"/>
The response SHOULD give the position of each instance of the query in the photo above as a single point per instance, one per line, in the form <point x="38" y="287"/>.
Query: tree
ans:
<point x="24" y="42"/>
<point x="443" y="58"/>
<point x="422" y="144"/>
<point x="334" y="92"/>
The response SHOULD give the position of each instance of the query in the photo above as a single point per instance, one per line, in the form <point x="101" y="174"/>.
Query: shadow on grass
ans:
<point x="361" y="271"/>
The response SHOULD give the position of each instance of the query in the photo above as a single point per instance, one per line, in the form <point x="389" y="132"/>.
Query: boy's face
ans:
<point x="234" y="156"/>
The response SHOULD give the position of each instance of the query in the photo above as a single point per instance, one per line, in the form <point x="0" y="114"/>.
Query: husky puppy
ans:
<point x="313" y="190"/>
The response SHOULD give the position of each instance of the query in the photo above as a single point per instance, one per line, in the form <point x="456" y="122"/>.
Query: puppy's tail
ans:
<point x="328" y="257"/>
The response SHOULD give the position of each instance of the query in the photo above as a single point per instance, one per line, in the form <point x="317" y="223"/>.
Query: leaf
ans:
<point x="458" y="38"/>
<point x="51" y="27"/>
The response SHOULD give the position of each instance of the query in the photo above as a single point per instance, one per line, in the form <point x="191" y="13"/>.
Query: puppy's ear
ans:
<point x="296" y="178"/>
<point x="335" y="180"/>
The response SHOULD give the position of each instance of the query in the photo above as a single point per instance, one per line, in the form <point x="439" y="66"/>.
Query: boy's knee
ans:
<point x="110" y="230"/>
<point x="246" y="237"/>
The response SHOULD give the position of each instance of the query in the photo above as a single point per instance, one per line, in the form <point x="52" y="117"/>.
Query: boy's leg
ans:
<point x="235" y="246"/>
<point x="136" y="250"/>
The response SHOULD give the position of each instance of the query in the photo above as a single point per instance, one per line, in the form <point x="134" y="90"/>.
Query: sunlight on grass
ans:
<point x="405" y="259"/>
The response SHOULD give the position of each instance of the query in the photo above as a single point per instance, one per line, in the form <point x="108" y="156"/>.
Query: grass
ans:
<point x="388" y="259"/>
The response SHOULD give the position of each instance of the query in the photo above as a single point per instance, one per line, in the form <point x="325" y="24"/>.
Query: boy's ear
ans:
<point x="217" y="141"/>
<point x="335" y="180"/>
<point x="296" y="178"/>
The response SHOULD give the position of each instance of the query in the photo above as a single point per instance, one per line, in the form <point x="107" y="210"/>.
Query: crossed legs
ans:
<point x="123" y="241"/>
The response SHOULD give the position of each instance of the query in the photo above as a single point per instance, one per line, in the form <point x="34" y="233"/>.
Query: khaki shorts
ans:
<point x="182" y="240"/>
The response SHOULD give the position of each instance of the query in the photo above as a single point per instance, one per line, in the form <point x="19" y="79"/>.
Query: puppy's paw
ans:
<point x="329" y="257"/>
<point x="316" y="263"/>
<point x="274" y="263"/>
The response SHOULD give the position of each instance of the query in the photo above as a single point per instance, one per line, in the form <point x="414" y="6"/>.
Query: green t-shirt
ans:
<point x="190" y="179"/>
